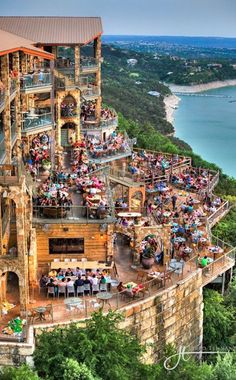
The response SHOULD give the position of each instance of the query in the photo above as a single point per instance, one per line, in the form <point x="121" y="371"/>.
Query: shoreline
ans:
<point x="201" y="87"/>
<point x="171" y="104"/>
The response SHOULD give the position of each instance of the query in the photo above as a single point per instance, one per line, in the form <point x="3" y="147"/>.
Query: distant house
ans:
<point x="132" y="61"/>
<point x="154" y="93"/>
<point x="214" y="65"/>
<point x="234" y="66"/>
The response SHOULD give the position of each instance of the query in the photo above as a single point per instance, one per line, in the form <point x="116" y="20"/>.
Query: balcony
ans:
<point x="13" y="87"/>
<point x="71" y="214"/>
<point x="2" y="100"/>
<point x="36" y="123"/>
<point x="2" y="148"/>
<point x="91" y="93"/>
<point x="10" y="174"/>
<point x="13" y="133"/>
<point x="91" y="125"/>
<point x="36" y="82"/>
<point x="89" y="65"/>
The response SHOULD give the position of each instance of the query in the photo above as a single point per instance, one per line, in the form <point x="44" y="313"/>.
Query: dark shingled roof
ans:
<point x="53" y="30"/>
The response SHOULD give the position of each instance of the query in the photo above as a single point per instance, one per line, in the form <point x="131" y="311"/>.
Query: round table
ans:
<point x="129" y="214"/>
<point x="104" y="297"/>
<point x="41" y="310"/>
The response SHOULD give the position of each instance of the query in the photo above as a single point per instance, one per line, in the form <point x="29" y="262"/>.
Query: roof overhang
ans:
<point x="29" y="50"/>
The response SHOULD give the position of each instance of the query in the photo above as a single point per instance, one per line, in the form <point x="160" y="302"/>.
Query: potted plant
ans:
<point x="46" y="164"/>
<point x="148" y="257"/>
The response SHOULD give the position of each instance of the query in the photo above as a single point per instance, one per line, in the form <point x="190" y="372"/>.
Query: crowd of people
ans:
<point x="74" y="279"/>
<point x="39" y="152"/>
<point x="116" y="143"/>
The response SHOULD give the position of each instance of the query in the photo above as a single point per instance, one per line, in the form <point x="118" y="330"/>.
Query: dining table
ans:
<point x="104" y="298"/>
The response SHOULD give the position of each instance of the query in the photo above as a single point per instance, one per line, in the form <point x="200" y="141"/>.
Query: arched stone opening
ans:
<point x="13" y="287"/>
<point x="68" y="134"/>
<point x="68" y="107"/>
<point x="9" y="228"/>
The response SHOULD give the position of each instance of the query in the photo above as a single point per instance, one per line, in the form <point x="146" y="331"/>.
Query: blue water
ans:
<point x="208" y="124"/>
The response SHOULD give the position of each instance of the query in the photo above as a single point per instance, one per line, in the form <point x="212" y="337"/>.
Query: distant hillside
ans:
<point x="126" y="87"/>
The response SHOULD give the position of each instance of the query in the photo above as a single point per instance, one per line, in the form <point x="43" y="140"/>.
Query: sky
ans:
<point x="139" y="17"/>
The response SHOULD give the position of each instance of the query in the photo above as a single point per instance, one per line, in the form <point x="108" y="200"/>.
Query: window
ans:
<point x="70" y="246"/>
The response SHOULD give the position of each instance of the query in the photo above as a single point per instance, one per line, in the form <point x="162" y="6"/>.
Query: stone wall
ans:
<point x="174" y="315"/>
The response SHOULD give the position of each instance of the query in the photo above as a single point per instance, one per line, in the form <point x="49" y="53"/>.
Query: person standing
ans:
<point x="174" y="200"/>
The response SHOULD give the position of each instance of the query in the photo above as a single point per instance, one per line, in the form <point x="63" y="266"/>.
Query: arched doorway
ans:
<point x="9" y="229"/>
<point x="68" y="107"/>
<point x="68" y="134"/>
<point x="10" y="290"/>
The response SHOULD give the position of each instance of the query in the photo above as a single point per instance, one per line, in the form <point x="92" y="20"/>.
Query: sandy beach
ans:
<point x="171" y="103"/>
<point x="201" y="87"/>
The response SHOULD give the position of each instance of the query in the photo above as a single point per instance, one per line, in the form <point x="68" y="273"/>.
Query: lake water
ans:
<point x="208" y="124"/>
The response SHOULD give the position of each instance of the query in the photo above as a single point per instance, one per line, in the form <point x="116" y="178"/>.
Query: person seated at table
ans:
<point x="94" y="280"/>
<point x="43" y="281"/>
<point x="62" y="282"/>
<point x="103" y="280"/>
<point x="78" y="282"/>
<point x="77" y="272"/>
<point x="70" y="282"/>
<point x="86" y="282"/>
<point x="159" y="258"/>
<point x="52" y="273"/>
<point x="203" y="262"/>
<point x="52" y="284"/>
<point x="69" y="272"/>
<point x="120" y="287"/>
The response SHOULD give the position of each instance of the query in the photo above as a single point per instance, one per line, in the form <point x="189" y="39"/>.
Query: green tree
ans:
<point x="217" y="322"/>
<point x="72" y="370"/>
<point x="225" y="368"/>
<point x="21" y="373"/>
<point x="109" y="352"/>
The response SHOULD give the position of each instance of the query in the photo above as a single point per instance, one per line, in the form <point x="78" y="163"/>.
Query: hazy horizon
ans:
<point x="186" y="18"/>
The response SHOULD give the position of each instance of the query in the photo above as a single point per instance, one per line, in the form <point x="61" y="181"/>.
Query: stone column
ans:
<point x="6" y="113"/>
<point x="16" y="66"/>
<point x="77" y="63"/>
<point x="77" y="128"/>
<point x="21" y="232"/>
<point x="24" y="63"/>
<point x="98" y="54"/>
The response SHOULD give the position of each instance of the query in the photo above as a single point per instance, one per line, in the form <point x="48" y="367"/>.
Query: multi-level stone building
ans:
<point x="45" y="83"/>
<point x="50" y="92"/>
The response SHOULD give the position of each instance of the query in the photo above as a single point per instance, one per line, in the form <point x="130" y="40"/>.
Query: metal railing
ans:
<point x="13" y="85"/>
<point x="79" y="214"/>
<point x="93" y="124"/>
<point x="2" y="148"/>
<point x="226" y="260"/>
<point x="2" y="98"/>
<point x="218" y="214"/>
<point x="91" y="91"/>
<point x="13" y="131"/>
<point x="88" y="63"/>
<point x="37" y="121"/>
<point x="36" y="80"/>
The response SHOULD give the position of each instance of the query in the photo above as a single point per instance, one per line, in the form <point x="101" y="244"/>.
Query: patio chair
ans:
<point x="62" y="290"/>
<point x="141" y="275"/>
<point x="103" y="287"/>
<point x="51" y="291"/>
<point x="49" y="311"/>
<point x="70" y="290"/>
<point x="87" y="288"/>
<point x="80" y="290"/>
<point x="95" y="288"/>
